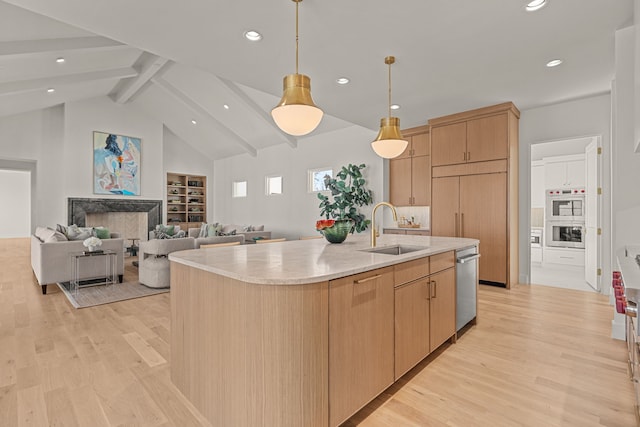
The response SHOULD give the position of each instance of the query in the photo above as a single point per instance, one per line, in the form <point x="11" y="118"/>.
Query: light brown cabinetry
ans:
<point x="409" y="173"/>
<point x="186" y="200"/>
<point x="425" y="308"/>
<point x="475" y="140"/>
<point x="408" y="232"/>
<point x="361" y="341"/>
<point x="475" y="191"/>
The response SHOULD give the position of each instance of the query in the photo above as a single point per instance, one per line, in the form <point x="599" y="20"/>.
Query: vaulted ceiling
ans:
<point x="183" y="61"/>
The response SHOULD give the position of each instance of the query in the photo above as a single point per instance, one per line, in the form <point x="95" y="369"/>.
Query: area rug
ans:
<point x="90" y="296"/>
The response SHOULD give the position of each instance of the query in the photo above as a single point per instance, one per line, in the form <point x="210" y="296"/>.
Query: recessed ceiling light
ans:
<point x="226" y="107"/>
<point x="252" y="35"/>
<point x="554" y="63"/>
<point x="60" y="60"/>
<point x="342" y="80"/>
<point x="193" y="122"/>
<point x="394" y="107"/>
<point x="534" y="5"/>
<point x="51" y="90"/>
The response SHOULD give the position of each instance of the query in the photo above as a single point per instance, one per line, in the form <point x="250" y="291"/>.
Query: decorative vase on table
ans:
<point x="335" y="231"/>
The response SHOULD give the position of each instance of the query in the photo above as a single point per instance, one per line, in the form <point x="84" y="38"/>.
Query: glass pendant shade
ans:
<point x="389" y="142"/>
<point x="297" y="114"/>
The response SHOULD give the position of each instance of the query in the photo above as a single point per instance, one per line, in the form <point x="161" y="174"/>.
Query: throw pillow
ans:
<point x="210" y="230"/>
<point x="248" y="228"/>
<point x="168" y="229"/>
<point x="102" y="233"/>
<point x="73" y="232"/>
<point x="228" y="233"/>
<point x="259" y="228"/>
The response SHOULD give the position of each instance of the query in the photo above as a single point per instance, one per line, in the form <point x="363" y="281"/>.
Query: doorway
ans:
<point x="15" y="192"/>
<point x="565" y="214"/>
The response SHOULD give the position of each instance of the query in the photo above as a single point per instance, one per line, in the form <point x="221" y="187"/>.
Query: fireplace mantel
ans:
<point x="77" y="208"/>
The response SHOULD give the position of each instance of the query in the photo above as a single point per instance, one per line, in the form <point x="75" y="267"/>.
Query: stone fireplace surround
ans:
<point x="77" y="208"/>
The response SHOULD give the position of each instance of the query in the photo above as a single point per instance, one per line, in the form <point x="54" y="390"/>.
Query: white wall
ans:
<point x="84" y="117"/>
<point x="294" y="213"/>
<point x="180" y="157"/>
<point x="15" y="193"/>
<point x="567" y="120"/>
<point x="37" y="138"/>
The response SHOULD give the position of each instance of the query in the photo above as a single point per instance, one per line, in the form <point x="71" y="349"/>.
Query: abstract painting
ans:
<point x="116" y="164"/>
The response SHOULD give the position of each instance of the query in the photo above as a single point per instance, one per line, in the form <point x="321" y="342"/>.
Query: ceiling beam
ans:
<point x="30" y="47"/>
<point x="20" y="86"/>
<point x="197" y="108"/>
<point x="252" y="105"/>
<point x="149" y="66"/>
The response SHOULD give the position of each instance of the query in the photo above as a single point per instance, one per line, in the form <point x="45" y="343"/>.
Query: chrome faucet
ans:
<point x="374" y="232"/>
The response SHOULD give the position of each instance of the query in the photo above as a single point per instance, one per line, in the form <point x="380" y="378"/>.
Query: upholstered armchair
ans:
<point x="153" y="260"/>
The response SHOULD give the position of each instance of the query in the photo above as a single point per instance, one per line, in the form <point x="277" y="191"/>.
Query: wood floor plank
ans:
<point x="539" y="356"/>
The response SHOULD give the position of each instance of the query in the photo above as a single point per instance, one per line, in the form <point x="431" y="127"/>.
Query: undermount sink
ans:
<point x="395" y="249"/>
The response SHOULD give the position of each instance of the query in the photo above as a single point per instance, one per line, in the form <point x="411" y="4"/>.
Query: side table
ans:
<point x="133" y="249"/>
<point x="110" y="270"/>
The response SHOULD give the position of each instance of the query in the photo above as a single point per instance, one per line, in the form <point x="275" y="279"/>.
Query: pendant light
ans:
<point x="389" y="143"/>
<point x="296" y="114"/>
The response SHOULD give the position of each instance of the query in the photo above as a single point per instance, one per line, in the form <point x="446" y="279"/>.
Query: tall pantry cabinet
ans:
<point x="474" y="191"/>
<point x="410" y="172"/>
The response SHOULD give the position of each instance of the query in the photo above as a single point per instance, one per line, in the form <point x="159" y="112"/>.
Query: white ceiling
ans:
<point x="179" y="61"/>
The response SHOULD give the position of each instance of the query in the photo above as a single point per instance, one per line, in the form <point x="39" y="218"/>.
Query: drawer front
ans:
<point x="411" y="270"/>
<point x="442" y="261"/>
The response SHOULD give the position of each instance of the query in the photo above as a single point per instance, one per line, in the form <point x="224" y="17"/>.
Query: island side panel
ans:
<point x="247" y="354"/>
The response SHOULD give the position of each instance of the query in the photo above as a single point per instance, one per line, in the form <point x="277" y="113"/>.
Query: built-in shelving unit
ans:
<point x="186" y="200"/>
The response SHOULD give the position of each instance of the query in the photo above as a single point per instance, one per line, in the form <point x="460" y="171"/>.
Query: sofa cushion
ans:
<point x="73" y="232"/>
<point x="47" y="235"/>
<point x="210" y="230"/>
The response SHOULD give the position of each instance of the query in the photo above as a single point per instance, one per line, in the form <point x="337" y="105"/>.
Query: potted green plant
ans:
<point x="348" y="192"/>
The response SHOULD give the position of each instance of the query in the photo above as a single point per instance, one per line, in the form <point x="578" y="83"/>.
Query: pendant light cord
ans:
<point x="297" y="4"/>
<point x="389" y="90"/>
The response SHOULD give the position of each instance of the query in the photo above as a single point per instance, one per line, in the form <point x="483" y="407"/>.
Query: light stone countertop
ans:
<point x="296" y="262"/>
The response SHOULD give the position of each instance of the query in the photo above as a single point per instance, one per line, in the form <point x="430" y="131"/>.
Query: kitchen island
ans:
<point x="305" y="333"/>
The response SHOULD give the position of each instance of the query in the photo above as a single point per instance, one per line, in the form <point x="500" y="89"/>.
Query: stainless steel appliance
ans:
<point x="565" y="234"/>
<point x="565" y="204"/>
<point x="466" y="285"/>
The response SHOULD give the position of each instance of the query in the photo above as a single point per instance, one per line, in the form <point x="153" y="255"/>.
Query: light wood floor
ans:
<point x="539" y="356"/>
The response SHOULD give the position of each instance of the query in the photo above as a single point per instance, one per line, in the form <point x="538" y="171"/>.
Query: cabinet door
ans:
<point x="576" y="173"/>
<point x="487" y="138"/>
<point x="443" y="307"/>
<point x="555" y="175"/>
<point x="421" y="180"/>
<point x="361" y="365"/>
<point x="400" y="182"/>
<point x="448" y="144"/>
<point x="445" y="206"/>
<point x="420" y="145"/>
<point x="411" y="325"/>
<point x="483" y="216"/>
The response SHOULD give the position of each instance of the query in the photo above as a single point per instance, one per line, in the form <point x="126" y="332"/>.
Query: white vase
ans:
<point x="92" y="248"/>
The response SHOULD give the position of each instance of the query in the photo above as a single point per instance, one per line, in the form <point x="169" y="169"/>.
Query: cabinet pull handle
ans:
<point x="455" y="225"/>
<point x="368" y="279"/>
<point x="465" y="156"/>
<point x="428" y="285"/>
<point x="434" y="289"/>
<point x="409" y="199"/>
<point x="468" y="155"/>
<point x="462" y="225"/>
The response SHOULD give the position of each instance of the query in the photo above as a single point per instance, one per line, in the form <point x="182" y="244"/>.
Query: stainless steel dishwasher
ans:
<point x="466" y="285"/>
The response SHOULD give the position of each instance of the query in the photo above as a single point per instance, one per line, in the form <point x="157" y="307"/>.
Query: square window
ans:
<point x="239" y="189"/>
<point x="273" y="185"/>
<point x="316" y="179"/>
